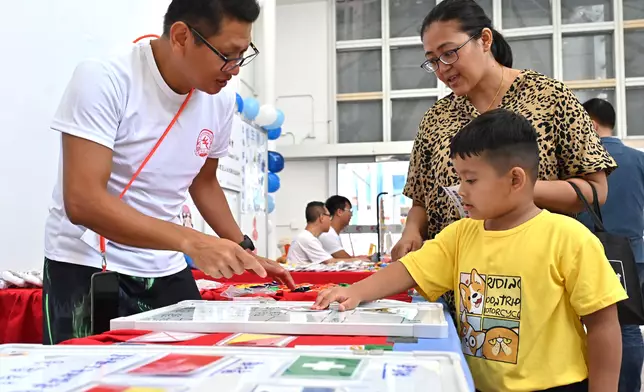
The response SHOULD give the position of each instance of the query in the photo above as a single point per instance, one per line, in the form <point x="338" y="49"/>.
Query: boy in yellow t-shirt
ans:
<point x="524" y="276"/>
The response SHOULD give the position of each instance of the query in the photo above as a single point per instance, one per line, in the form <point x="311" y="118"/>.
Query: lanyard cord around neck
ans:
<point x="138" y="171"/>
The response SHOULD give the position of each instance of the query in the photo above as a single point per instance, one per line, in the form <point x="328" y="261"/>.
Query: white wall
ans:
<point x="302" y="90"/>
<point x="302" y="182"/>
<point x="302" y="76"/>
<point x="47" y="40"/>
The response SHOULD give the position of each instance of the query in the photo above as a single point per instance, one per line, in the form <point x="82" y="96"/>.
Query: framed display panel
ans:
<point x="379" y="318"/>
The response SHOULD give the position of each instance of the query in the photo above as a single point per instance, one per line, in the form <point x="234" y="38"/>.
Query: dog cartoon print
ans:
<point x="473" y="293"/>
<point x="472" y="340"/>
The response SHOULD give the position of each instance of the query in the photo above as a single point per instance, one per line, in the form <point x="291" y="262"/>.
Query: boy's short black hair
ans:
<point x="502" y="137"/>
<point x="313" y="211"/>
<point x="336" y="203"/>
<point x="601" y="111"/>
<point x="206" y="15"/>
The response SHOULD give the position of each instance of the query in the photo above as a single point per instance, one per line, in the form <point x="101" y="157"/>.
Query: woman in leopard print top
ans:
<point x="475" y="61"/>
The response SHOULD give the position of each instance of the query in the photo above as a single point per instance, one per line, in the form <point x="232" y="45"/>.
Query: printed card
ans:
<point x="360" y="347"/>
<point x="256" y="340"/>
<point x="130" y="388"/>
<point x="289" y="388"/>
<point x="452" y="192"/>
<point x="176" y="365"/>
<point x="165" y="337"/>
<point x="321" y="367"/>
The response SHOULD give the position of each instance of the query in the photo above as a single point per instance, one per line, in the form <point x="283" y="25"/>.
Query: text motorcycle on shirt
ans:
<point x="138" y="108"/>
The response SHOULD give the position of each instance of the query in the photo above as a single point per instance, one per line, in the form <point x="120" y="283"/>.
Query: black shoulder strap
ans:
<point x="594" y="212"/>
<point x="598" y="210"/>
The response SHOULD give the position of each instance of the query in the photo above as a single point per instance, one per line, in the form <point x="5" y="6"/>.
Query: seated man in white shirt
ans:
<point x="339" y="208"/>
<point x="306" y="248"/>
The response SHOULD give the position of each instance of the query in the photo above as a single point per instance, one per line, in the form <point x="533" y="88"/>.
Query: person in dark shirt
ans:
<point x="623" y="214"/>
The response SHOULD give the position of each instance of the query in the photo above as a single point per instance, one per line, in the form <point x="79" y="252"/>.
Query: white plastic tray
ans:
<point x="80" y="368"/>
<point x="378" y="318"/>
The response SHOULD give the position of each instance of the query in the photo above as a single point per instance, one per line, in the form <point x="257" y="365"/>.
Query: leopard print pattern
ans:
<point x="569" y="146"/>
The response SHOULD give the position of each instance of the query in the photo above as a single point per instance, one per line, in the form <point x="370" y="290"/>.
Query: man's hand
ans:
<point x="344" y="295"/>
<point x="219" y="257"/>
<point x="410" y="241"/>
<point x="276" y="271"/>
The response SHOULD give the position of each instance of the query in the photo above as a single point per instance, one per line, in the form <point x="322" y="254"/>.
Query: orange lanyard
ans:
<point x="138" y="171"/>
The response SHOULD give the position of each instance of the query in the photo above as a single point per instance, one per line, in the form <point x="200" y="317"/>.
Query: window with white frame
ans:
<point x="595" y="46"/>
<point x="361" y="180"/>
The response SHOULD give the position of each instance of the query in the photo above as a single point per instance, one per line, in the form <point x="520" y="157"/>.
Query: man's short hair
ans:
<point x="313" y="211"/>
<point x="601" y="111"/>
<point x="504" y="138"/>
<point x="206" y="15"/>
<point x="336" y="203"/>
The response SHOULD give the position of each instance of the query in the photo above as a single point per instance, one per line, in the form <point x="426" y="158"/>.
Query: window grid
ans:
<point x="386" y="73"/>
<point x="557" y="31"/>
<point x="620" y="89"/>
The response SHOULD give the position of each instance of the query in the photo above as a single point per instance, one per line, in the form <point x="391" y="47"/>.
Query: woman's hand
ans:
<point x="409" y="242"/>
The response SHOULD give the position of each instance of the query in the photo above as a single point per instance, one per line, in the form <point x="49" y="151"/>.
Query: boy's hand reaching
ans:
<point x="346" y="297"/>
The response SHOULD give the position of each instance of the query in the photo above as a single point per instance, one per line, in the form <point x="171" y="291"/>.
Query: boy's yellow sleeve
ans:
<point x="432" y="266"/>
<point x="590" y="280"/>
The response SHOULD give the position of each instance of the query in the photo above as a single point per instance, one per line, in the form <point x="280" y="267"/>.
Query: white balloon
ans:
<point x="266" y="116"/>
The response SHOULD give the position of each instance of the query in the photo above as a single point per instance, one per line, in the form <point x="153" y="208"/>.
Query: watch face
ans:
<point x="247" y="243"/>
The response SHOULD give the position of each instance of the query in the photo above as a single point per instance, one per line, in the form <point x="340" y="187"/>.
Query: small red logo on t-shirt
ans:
<point x="204" y="141"/>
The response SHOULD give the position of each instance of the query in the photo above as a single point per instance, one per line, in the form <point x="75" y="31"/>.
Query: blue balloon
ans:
<point x="251" y="108"/>
<point x="240" y="103"/>
<point x="271" y="204"/>
<point x="275" y="162"/>
<point x="278" y="122"/>
<point x="274" y="134"/>
<point x="273" y="183"/>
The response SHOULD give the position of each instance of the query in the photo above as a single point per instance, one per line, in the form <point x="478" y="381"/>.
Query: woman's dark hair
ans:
<point x="472" y="19"/>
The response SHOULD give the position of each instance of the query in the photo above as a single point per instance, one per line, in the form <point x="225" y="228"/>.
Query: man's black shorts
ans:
<point x="66" y="297"/>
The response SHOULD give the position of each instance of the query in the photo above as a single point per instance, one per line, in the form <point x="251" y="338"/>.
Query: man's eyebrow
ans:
<point x="232" y="47"/>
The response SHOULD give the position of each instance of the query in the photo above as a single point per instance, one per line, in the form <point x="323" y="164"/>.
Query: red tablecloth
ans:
<point x="121" y="336"/>
<point x="21" y="316"/>
<point x="299" y="277"/>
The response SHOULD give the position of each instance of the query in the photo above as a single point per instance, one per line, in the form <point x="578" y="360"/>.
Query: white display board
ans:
<point x="180" y="368"/>
<point x="230" y="170"/>
<point x="379" y="318"/>
<point x="253" y="195"/>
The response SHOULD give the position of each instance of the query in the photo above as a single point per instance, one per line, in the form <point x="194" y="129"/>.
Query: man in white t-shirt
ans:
<point x="111" y="116"/>
<point x="306" y="247"/>
<point x="340" y="209"/>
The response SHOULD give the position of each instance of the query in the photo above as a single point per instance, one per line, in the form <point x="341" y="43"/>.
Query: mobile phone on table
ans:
<point x="104" y="297"/>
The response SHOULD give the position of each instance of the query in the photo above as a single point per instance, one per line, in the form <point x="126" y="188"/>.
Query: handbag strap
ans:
<point x="598" y="210"/>
<point x="593" y="211"/>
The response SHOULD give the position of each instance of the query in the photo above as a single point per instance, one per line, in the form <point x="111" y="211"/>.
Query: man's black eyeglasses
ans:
<point x="229" y="64"/>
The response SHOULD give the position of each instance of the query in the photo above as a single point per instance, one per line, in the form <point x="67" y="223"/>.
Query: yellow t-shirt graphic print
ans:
<point x="490" y="309"/>
<point x="520" y="294"/>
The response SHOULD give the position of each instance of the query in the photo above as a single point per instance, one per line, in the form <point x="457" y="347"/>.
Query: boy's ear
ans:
<point x="519" y="177"/>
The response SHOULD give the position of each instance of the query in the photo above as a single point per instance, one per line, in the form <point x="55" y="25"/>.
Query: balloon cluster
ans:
<point x="270" y="119"/>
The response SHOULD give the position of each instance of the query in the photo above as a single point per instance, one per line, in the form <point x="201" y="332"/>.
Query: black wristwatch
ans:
<point x="247" y="243"/>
